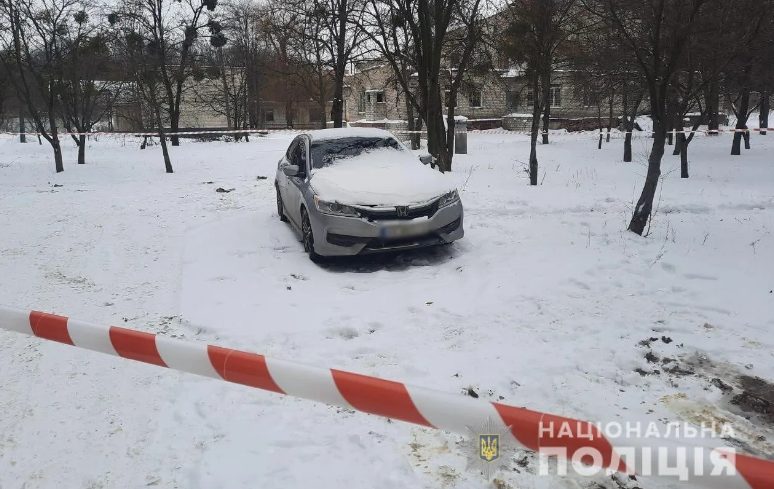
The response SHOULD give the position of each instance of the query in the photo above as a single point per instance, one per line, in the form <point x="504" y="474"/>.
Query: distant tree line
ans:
<point x="67" y="62"/>
<point x="673" y="58"/>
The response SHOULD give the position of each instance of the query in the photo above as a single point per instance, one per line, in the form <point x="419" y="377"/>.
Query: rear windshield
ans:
<point x="327" y="152"/>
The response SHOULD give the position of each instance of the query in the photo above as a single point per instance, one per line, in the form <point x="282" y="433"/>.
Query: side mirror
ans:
<point x="290" y="170"/>
<point x="426" y="159"/>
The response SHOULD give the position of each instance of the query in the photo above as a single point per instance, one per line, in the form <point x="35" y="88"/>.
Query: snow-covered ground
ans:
<point x="547" y="303"/>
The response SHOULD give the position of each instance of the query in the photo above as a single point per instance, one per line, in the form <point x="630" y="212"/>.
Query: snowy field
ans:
<point x="546" y="303"/>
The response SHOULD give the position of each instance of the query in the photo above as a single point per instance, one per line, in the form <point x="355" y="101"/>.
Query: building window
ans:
<point x="475" y="98"/>
<point x="556" y="95"/>
<point x="268" y="115"/>
<point x="361" y="103"/>
<point x="376" y="96"/>
<point x="511" y="100"/>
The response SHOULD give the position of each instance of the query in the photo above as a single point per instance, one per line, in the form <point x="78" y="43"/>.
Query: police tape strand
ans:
<point x="582" y="442"/>
<point x="264" y="132"/>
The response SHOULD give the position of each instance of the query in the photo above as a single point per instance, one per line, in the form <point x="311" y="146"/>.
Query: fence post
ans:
<point x="460" y="135"/>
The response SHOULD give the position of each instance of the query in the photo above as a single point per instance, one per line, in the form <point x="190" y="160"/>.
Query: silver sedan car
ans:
<point x="360" y="191"/>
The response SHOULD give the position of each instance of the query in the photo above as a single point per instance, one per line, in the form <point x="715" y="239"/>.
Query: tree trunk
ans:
<point x="610" y="117"/>
<point x="741" y="123"/>
<point x="165" y="152"/>
<point x="54" y="139"/>
<point x="22" y="131"/>
<point x="763" y="119"/>
<point x="323" y="119"/>
<point x="679" y="137"/>
<point x="533" y="161"/>
<point x="174" y="126"/>
<point x="645" y="203"/>
<point x="436" y="135"/>
<point x="338" y="99"/>
<point x="412" y="125"/>
<point x="289" y="113"/>
<point x="736" y="145"/>
<point x="447" y="146"/>
<point x="627" y="126"/>
<point x="341" y="63"/>
<point x="163" y="140"/>
<point x="712" y="102"/>
<point x="418" y="135"/>
<point x="546" y="105"/>
<point x="599" y="122"/>
<point x="230" y="122"/>
<point x="57" y="153"/>
<point x="82" y="149"/>
<point x="683" y="142"/>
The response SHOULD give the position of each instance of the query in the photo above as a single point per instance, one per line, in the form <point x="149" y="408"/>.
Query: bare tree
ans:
<point x="144" y="58"/>
<point x="706" y="54"/>
<point x="86" y="88"/>
<point x="656" y="32"/>
<point x="278" y="32"/>
<point x="605" y="71"/>
<point x="226" y="61"/>
<point x="247" y="46"/>
<point x="536" y="31"/>
<point x="748" y="66"/>
<point x="31" y="52"/>
<point x="316" y="69"/>
<point x="424" y="31"/>
<point x="340" y="23"/>
<point x="173" y="28"/>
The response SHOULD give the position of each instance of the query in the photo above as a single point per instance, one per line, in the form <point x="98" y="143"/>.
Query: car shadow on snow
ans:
<point x="393" y="261"/>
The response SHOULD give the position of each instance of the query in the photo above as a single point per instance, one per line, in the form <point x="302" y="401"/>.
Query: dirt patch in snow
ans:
<point x="757" y="396"/>
<point x="746" y="402"/>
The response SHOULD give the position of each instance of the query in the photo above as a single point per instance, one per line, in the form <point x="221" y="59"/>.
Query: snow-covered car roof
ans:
<point x="349" y="132"/>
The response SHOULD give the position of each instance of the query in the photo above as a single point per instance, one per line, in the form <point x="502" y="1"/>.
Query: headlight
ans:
<point x="334" y="208"/>
<point x="448" y="199"/>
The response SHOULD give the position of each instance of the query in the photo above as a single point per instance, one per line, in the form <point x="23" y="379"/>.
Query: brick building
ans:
<point x="500" y="98"/>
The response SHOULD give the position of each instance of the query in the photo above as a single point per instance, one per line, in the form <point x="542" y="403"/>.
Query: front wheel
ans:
<point x="307" y="236"/>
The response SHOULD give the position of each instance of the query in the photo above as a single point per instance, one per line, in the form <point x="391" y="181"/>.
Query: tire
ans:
<point x="307" y="237"/>
<point x="280" y="207"/>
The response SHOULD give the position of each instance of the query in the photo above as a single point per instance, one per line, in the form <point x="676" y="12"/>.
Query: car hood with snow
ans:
<point x="385" y="177"/>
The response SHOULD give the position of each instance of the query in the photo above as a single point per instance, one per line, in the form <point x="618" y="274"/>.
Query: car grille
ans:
<point x="393" y="213"/>
<point x="378" y="244"/>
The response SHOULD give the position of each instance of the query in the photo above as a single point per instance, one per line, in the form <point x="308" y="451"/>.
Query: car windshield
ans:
<point x="328" y="151"/>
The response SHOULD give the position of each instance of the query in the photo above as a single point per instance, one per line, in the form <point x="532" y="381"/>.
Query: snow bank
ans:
<point x="380" y="177"/>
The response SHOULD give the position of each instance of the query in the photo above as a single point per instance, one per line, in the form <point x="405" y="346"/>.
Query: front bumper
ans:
<point x="346" y="236"/>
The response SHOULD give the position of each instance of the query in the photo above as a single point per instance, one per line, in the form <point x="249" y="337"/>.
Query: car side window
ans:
<point x="299" y="156"/>
<point x="291" y="150"/>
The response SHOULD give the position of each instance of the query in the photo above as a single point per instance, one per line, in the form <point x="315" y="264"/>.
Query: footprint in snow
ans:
<point x="345" y="332"/>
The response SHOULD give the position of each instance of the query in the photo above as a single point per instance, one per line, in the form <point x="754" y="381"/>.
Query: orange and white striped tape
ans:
<point x="425" y="407"/>
<point x="263" y="132"/>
